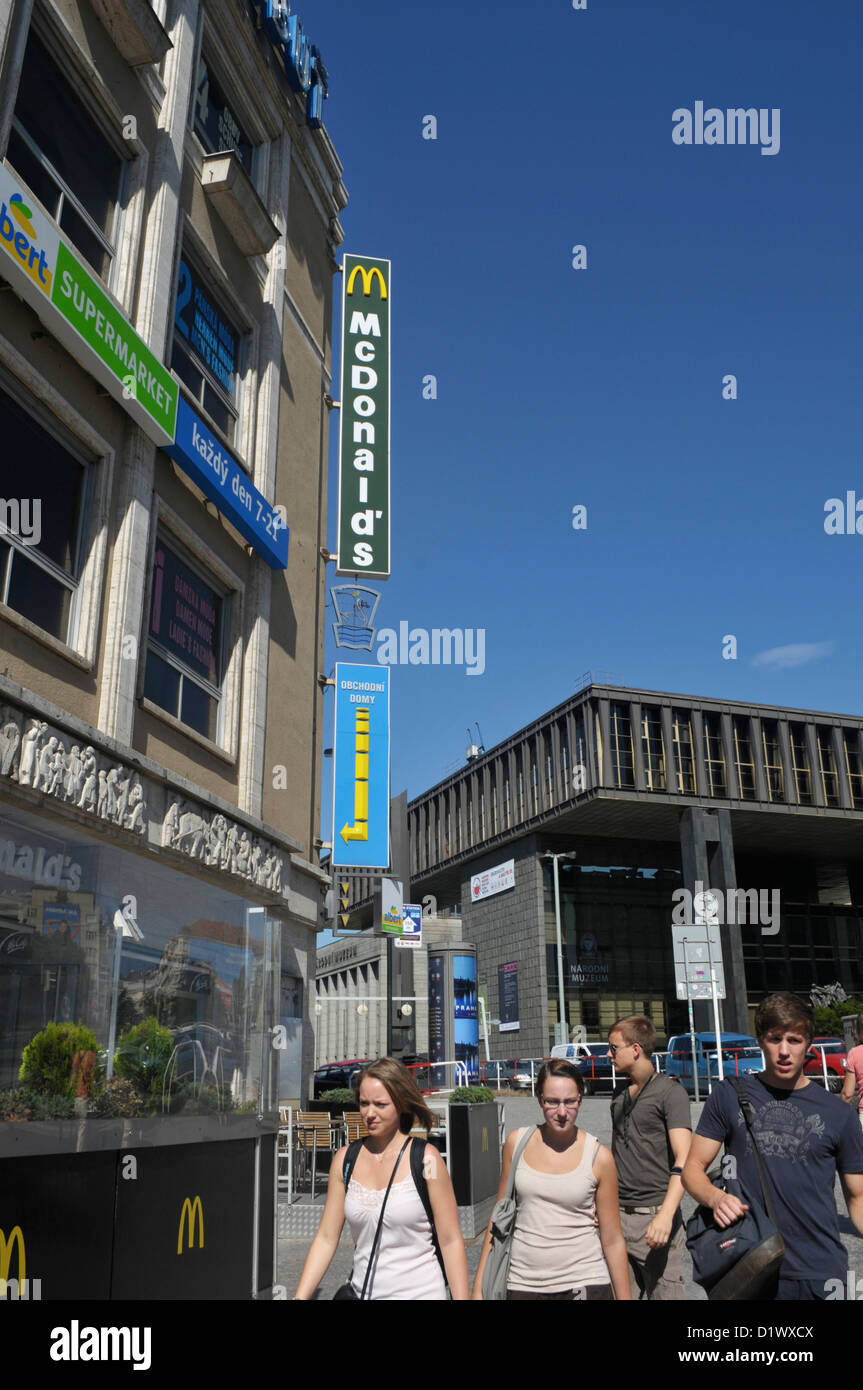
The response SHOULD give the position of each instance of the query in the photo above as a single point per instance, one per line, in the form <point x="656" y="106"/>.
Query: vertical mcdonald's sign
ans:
<point x="191" y="1213"/>
<point x="361" y="767"/>
<point x="364" y="426"/>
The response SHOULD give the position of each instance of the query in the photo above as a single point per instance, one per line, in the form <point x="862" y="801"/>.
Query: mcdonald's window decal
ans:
<point x="364" y="427"/>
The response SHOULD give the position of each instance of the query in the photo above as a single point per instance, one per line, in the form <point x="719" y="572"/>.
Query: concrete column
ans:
<point x="556" y="771"/>
<point x="594" y="771"/>
<point x="845" y="800"/>
<point x="671" y="783"/>
<point x="486" y="799"/>
<point x="731" y="780"/>
<point x="818" y="797"/>
<point x="788" y="780"/>
<point x="606" y="774"/>
<point x="701" y="786"/>
<point x="707" y="856"/>
<point x="128" y="586"/>
<point x="513" y="786"/>
<point x="637" y="748"/>
<point x="761" y="789"/>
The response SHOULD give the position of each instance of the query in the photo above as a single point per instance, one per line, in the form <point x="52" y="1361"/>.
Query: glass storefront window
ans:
<point x="128" y="990"/>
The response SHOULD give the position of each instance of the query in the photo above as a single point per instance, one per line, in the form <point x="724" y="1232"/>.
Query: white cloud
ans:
<point x="796" y="654"/>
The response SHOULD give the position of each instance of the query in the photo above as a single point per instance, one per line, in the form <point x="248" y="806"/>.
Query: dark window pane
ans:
<point x="52" y="478"/>
<point x="216" y="125"/>
<point x="217" y="410"/>
<point x="56" y="121"/>
<point x="162" y="684"/>
<point x="37" y="595"/>
<point x="186" y="371"/>
<point x="199" y="709"/>
<point x="33" y="173"/>
<point x="85" y="239"/>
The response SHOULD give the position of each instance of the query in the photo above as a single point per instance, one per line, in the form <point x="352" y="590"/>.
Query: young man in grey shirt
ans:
<point x="651" y="1134"/>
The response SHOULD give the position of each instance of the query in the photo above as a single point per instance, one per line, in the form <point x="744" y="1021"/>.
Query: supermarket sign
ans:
<point x="49" y="276"/>
<point x="85" y="320"/>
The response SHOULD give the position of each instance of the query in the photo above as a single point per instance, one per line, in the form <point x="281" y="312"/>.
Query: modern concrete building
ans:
<point x="645" y="793"/>
<point x="169" y="205"/>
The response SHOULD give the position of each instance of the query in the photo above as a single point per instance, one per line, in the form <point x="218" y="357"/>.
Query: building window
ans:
<point x="743" y="759"/>
<point x="564" y="761"/>
<point x="519" y="777"/>
<point x="854" y="767"/>
<point x="549" y="770"/>
<point x="654" y="750"/>
<point x="827" y="766"/>
<point x="714" y="757"/>
<point x="493" y="793"/>
<point x="507" y="798"/>
<point x="60" y="152"/>
<point x="581" y="744"/>
<point x="206" y="349"/>
<point x="772" y="760"/>
<point x="40" y="534"/>
<point x="185" y="660"/>
<point x="216" y="124"/>
<point x="800" y="764"/>
<point x="621" y="746"/>
<point x="684" y="761"/>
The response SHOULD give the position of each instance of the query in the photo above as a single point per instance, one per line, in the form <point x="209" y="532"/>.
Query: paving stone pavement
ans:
<point x="595" y="1117"/>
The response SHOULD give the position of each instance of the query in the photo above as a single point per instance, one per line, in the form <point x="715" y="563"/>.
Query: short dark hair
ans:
<point x="636" y="1028"/>
<point x="784" y="1010"/>
<point x="558" y="1066"/>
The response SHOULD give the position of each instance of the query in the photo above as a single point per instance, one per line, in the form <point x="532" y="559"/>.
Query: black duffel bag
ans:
<point x="743" y="1260"/>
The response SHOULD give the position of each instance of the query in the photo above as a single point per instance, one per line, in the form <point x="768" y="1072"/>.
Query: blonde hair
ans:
<point x="403" y="1091"/>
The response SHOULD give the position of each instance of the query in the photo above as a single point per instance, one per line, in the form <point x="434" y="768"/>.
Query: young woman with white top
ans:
<point x="565" y="1183"/>
<point x="404" y="1265"/>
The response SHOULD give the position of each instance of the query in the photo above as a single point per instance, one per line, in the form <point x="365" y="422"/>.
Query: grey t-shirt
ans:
<point x="642" y="1153"/>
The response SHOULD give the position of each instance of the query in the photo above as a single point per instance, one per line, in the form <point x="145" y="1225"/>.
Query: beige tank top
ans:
<point x="556" y="1245"/>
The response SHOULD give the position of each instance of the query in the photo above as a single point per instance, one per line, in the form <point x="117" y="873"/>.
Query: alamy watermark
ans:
<point x="440" y="646"/>
<point x="22" y="519"/>
<point x="734" y="126"/>
<point x="752" y="906"/>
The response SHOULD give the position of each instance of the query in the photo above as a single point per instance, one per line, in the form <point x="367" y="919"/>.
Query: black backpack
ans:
<point x="417" y="1154"/>
<point x="743" y="1260"/>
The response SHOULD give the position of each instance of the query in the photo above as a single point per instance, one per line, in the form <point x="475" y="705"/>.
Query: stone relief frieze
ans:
<point x="35" y="755"/>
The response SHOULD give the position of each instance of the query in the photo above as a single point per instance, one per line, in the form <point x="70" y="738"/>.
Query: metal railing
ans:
<point x="439" y="1076"/>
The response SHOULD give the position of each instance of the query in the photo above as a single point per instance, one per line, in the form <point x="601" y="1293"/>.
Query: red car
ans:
<point x="834" y="1059"/>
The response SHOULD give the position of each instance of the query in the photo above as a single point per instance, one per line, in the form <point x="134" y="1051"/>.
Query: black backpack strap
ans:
<point x="351" y="1157"/>
<point x="418" y="1148"/>
<point x="739" y="1084"/>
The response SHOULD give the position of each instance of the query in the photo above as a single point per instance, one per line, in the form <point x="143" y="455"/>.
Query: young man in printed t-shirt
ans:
<point x="651" y="1132"/>
<point x="805" y="1136"/>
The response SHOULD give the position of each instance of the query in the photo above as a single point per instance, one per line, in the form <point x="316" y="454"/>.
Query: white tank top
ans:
<point x="556" y="1245"/>
<point x="405" y="1264"/>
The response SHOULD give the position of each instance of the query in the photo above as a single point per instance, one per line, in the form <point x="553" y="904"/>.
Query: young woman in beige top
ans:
<point x="565" y="1182"/>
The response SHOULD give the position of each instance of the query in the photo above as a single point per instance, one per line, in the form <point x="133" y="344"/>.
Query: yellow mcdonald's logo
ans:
<point x="16" y="1237"/>
<point x="485" y="1140"/>
<point x="191" y="1209"/>
<point x="367" y="280"/>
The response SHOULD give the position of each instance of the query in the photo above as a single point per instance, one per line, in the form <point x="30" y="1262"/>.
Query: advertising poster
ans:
<point x="507" y="993"/>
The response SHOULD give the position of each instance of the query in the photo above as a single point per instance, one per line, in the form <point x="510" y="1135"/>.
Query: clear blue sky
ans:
<point x="604" y="386"/>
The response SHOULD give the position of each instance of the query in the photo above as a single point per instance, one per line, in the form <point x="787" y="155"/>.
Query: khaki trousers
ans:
<point x="654" y="1274"/>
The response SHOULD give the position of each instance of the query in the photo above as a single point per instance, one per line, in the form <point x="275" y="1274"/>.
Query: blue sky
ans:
<point x="603" y="386"/>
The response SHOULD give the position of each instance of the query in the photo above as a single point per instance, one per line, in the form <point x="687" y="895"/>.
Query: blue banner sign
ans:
<point x="361" y="767"/>
<point x="304" y="65"/>
<point x="210" y="466"/>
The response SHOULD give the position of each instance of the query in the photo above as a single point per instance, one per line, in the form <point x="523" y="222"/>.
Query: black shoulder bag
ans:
<point x="345" y="1292"/>
<point x="741" y="1261"/>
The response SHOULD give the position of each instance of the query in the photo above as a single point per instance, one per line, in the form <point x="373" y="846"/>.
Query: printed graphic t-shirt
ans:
<point x="804" y="1137"/>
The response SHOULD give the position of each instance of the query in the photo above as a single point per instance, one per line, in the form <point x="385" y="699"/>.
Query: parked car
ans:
<point x="338" y="1075"/>
<point x="592" y="1061"/>
<point x="740" y="1054"/>
<point x="512" y="1073"/>
<point x="834" y="1059"/>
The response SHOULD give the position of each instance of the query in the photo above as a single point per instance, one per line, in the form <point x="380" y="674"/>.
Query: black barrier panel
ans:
<point x="57" y="1219"/>
<point x="185" y="1222"/>
<point x="267" y="1212"/>
<point x="474" y="1158"/>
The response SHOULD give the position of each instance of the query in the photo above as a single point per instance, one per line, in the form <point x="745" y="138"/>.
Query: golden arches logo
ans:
<point x="16" y="1237"/>
<point x="191" y="1210"/>
<point x="367" y="280"/>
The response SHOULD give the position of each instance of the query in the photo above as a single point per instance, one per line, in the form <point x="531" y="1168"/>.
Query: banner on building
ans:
<point x="361" y="767"/>
<point x="491" y="881"/>
<point x="363" y="543"/>
<point x="507" y="993"/>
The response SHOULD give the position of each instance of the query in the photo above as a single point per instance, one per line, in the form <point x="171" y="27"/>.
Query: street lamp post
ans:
<point x="563" y="1031"/>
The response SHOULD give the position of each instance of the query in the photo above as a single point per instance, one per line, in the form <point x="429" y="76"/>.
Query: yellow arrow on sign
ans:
<point x="360" y="828"/>
<point x="345" y="916"/>
<point x="344" y="887"/>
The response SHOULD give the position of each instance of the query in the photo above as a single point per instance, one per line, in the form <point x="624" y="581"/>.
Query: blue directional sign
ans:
<point x="361" y="768"/>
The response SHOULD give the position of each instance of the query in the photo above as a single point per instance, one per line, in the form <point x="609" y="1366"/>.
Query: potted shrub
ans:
<point x="58" y="1065"/>
<point x="142" y="1056"/>
<point x="474" y="1154"/>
